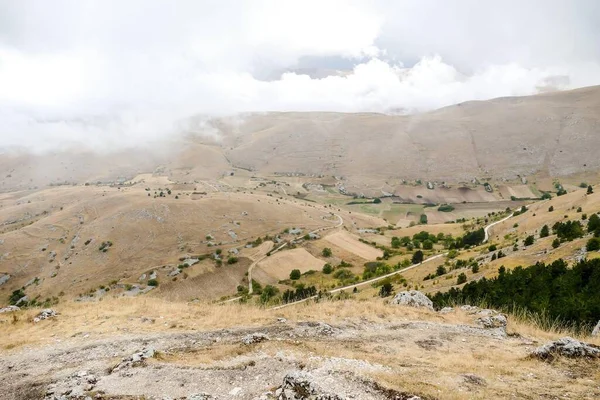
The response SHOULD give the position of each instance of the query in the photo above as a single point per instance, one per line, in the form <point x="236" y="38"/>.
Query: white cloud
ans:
<point x="105" y="74"/>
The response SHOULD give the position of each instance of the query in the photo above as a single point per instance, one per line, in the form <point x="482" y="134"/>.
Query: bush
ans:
<point x="475" y="268"/>
<point x="555" y="243"/>
<point x="441" y="270"/>
<point x="462" y="278"/>
<point x="417" y="257"/>
<point x="268" y="293"/>
<point x="529" y="240"/>
<point x="590" y="190"/>
<point x="232" y="260"/>
<point x="153" y="282"/>
<point x="396" y="242"/>
<point x="327" y="269"/>
<point x="446" y="208"/>
<point x="386" y="289"/>
<point x="16" y="296"/>
<point x="326" y="252"/>
<point x="376" y="200"/>
<point x="295" y="274"/>
<point x="551" y="208"/>
<point x="493" y="247"/>
<point x="427" y="245"/>
<point x="423" y="219"/>
<point x="545" y="232"/>
<point x="593" y="244"/>
<point x="343" y="274"/>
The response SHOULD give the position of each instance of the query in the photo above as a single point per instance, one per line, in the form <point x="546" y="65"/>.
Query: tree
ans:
<point x="295" y="274"/>
<point x="529" y="240"/>
<point x="441" y="270"/>
<point x="232" y="260"/>
<point x="492" y="247"/>
<point x="593" y="223"/>
<point x="555" y="243"/>
<point x="153" y="282"/>
<point x="475" y="268"/>
<point x="423" y="219"/>
<point x="462" y="278"/>
<point x="386" y="289"/>
<point x="326" y="252"/>
<point x="396" y="242"/>
<point x="327" y="269"/>
<point x="376" y="200"/>
<point x="417" y="257"/>
<point x="427" y="245"/>
<point x="493" y="257"/>
<point x="545" y="232"/>
<point x="590" y="190"/>
<point x="551" y="208"/>
<point x="268" y="293"/>
<point x="593" y="244"/>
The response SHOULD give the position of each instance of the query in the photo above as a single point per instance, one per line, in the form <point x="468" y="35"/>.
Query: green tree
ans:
<point x="545" y="232"/>
<point x="475" y="268"/>
<point x="295" y="274"/>
<point x="462" y="278"/>
<point x="327" y="269"/>
<point x="551" y="208"/>
<point x="427" y="245"/>
<point x="593" y="244"/>
<point x="326" y="252"/>
<point x="590" y="190"/>
<point x="153" y="282"/>
<point x="441" y="270"/>
<point x="593" y="223"/>
<point x="376" y="200"/>
<point x="268" y="293"/>
<point x="396" y="242"/>
<point x="423" y="219"/>
<point x="386" y="289"/>
<point x="555" y="243"/>
<point x="492" y="247"/>
<point x="417" y="257"/>
<point x="529" y="240"/>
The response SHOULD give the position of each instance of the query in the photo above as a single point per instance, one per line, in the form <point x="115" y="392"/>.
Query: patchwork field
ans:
<point x="351" y="244"/>
<point x="278" y="266"/>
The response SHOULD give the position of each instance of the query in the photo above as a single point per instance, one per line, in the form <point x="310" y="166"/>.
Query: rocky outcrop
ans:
<point x="45" y="314"/>
<point x="135" y="359"/>
<point x="75" y="386"/>
<point x="9" y="309"/>
<point x="566" y="347"/>
<point x="413" y="298"/>
<point x="254" y="338"/>
<point x="491" y="319"/>
<point x="301" y="385"/>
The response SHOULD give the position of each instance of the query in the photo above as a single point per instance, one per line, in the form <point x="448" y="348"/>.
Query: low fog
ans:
<point x="106" y="75"/>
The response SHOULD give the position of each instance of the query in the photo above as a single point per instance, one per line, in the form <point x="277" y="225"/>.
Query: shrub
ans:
<point x="232" y="260"/>
<point x="396" y="242"/>
<point x="529" y="240"/>
<point x="343" y="274"/>
<point x="545" y="232"/>
<point x="579" y="209"/>
<point x="475" y="268"/>
<point x="427" y="245"/>
<point x="446" y="208"/>
<point x="295" y="274"/>
<point x="417" y="257"/>
<point x="551" y="208"/>
<point x="555" y="243"/>
<point x="493" y="247"/>
<point x="590" y="190"/>
<point x="593" y="244"/>
<point x="462" y="278"/>
<point x="153" y="282"/>
<point x="326" y="252"/>
<point x="441" y="270"/>
<point x="376" y="200"/>
<point x="268" y="293"/>
<point x="386" y="289"/>
<point x="327" y="269"/>
<point x="423" y="219"/>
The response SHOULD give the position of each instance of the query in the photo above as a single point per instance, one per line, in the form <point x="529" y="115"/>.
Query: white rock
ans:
<point x="596" y="331"/>
<point x="413" y="298"/>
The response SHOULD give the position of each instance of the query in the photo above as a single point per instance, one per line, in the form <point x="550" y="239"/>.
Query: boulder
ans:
<point x="45" y="314"/>
<point x="413" y="298"/>
<point x="566" y="347"/>
<point x="596" y="331"/>
<point x="254" y="338"/>
<point x="9" y="309"/>
<point x="446" y="310"/>
<point x="301" y="385"/>
<point x="493" y="321"/>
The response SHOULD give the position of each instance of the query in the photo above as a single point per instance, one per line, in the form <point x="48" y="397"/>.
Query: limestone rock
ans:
<point x="45" y="314"/>
<point x="9" y="309"/>
<point x="413" y="298"/>
<point x="566" y="347"/>
<point x="446" y="310"/>
<point x="254" y="338"/>
<point x="301" y="385"/>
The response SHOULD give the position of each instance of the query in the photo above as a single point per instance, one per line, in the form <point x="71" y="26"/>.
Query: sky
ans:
<point x="105" y="74"/>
